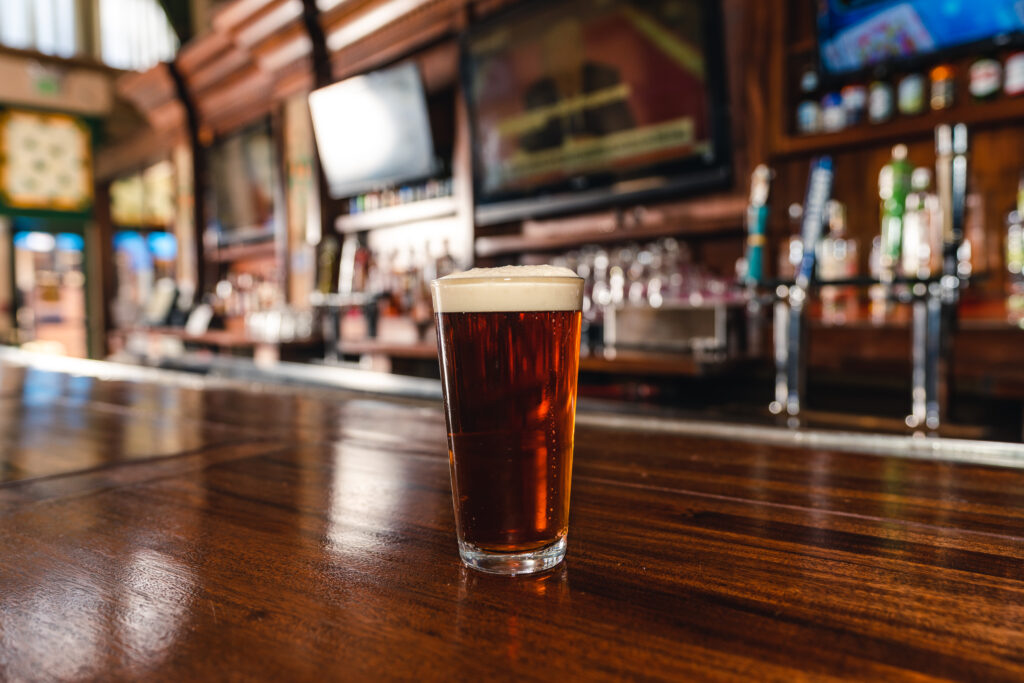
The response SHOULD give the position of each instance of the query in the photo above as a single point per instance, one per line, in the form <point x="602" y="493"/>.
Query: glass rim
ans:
<point x="532" y="279"/>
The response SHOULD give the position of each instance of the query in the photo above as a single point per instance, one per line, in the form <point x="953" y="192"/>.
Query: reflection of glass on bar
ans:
<point x="509" y="341"/>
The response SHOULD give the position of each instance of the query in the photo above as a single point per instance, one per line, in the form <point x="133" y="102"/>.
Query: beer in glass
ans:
<point x="509" y="342"/>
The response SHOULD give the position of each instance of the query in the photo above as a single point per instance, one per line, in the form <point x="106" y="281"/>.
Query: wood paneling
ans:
<point x="432" y="21"/>
<point x="257" y="53"/>
<point x="152" y="92"/>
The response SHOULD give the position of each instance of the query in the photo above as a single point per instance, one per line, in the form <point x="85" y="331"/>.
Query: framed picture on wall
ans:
<point x="45" y="161"/>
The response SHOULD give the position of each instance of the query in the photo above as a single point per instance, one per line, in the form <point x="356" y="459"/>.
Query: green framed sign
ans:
<point x="45" y="164"/>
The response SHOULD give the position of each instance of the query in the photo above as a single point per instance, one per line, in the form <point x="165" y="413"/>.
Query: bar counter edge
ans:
<point x="292" y="377"/>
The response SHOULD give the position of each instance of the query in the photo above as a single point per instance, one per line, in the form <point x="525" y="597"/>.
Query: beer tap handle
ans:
<point x="781" y="343"/>
<point x="958" y="185"/>
<point x="819" y="190"/>
<point x="757" y="219"/>
<point x="951" y="180"/>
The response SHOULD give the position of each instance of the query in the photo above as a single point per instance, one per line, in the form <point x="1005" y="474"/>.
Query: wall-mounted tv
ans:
<point x="373" y="130"/>
<point x="581" y="103"/>
<point x="856" y="34"/>
<point x="242" y="177"/>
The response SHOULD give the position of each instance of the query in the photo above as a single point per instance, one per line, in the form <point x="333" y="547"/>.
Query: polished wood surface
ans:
<point x="168" y="531"/>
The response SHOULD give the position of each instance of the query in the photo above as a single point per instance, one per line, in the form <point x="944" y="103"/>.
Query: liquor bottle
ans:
<point x="893" y="188"/>
<point x="881" y="102"/>
<point x="833" y="115"/>
<point x="943" y="80"/>
<point x="1013" y="75"/>
<point x="808" y="112"/>
<point x="390" y="299"/>
<point x="986" y="79"/>
<point x="412" y="275"/>
<point x="1015" y="265"/>
<point x="922" y="233"/>
<point x="445" y="264"/>
<point x="361" y="271"/>
<point x="347" y="267"/>
<point x="877" y="294"/>
<point x="792" y="250"/>
<point x="374" y="289"/>
<point x="422" y="310"/>
<point x="910" y="98"/>
<point x="855" y="102"/>
<point x="837" y="260"/>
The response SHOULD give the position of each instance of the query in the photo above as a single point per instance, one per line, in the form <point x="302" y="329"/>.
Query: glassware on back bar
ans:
<point x="837" y="260"/>
<point x="509" y="342"/>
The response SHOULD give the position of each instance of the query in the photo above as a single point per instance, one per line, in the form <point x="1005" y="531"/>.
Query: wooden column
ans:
<point x="323" y="76"/>
<point x="198" y="173"/>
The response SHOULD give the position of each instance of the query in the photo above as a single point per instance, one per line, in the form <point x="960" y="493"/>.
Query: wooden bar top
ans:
<point x="169" y="530"/>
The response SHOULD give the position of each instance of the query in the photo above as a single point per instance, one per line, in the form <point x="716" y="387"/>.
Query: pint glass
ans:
<point x="509" y="341"/>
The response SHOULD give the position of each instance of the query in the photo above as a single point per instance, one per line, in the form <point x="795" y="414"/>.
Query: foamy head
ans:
<point x="509" y="288"/>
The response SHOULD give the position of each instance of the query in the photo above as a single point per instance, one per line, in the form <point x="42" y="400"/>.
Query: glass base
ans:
<point x="511" y="564"/>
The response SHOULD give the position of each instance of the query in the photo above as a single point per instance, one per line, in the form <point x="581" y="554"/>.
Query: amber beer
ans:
<point x="509" y="340"/>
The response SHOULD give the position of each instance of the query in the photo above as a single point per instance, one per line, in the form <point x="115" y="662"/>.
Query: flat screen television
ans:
<point x="576" y="104"/>
<point x="373" y="130"/>
<point x="242" y="177"/>
<point x="858" y="34"/>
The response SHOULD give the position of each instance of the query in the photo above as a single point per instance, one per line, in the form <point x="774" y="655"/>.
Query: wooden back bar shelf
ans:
<point x="403" y="214"/>
<point x="978" y="115"/>
<point x="239" y="252"/>
<point x="705" y="216"/>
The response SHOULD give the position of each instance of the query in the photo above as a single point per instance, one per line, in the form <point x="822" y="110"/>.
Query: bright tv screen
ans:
<point x="373" y="130"/>
<point x="855" y="34"/>
<point x="592" y="100"/>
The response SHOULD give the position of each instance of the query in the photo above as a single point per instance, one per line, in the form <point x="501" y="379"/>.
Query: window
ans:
<point x="48" y="26"/>
<point x="135" y="34"/>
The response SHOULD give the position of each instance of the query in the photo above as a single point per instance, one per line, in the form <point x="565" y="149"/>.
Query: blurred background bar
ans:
<point x="788" y="212"/>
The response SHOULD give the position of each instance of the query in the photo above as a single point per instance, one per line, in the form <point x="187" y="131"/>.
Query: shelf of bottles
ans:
<point x="382" y="295"/>
<point x="831" y="110"/>
<point x="395" y="206"/>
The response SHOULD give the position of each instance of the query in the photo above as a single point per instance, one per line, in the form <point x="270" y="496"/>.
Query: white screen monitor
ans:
<point x="373" y="130"/>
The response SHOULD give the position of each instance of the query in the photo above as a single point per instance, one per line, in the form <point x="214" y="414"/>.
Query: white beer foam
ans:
<point x="508" y="289"/>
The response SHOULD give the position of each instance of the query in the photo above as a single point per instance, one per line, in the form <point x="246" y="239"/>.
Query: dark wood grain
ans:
<point x="181" y="532"/>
